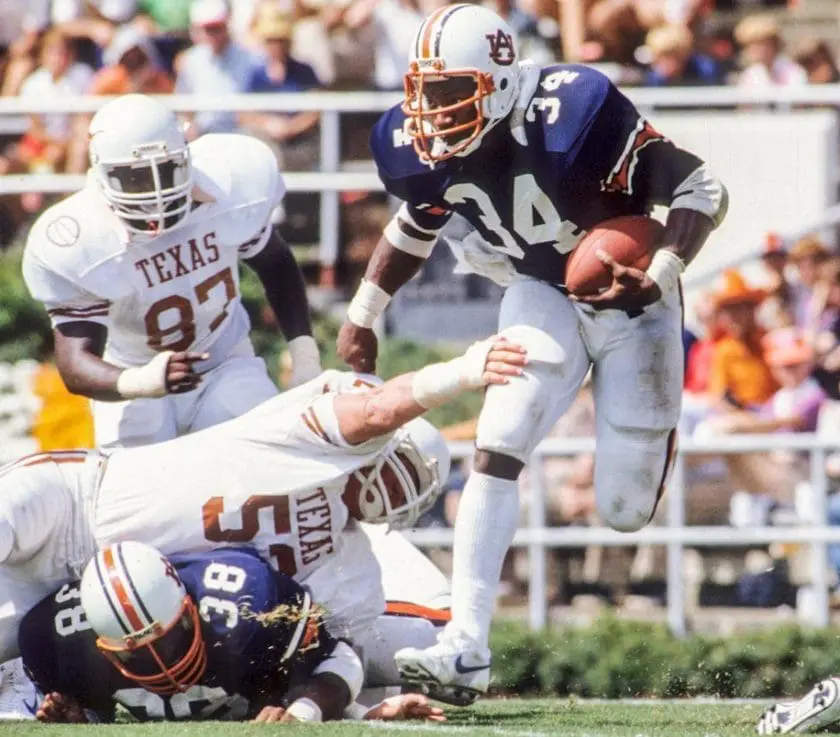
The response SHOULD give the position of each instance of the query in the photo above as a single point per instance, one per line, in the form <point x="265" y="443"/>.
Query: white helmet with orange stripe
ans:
<point x="463" y="79"/>
<point x="146" y="623"/>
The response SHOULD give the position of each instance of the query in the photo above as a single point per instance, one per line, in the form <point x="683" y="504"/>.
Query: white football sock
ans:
<point x="488" y="516"/>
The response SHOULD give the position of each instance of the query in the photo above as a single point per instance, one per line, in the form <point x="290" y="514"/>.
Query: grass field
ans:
<point x="508" y="718"/>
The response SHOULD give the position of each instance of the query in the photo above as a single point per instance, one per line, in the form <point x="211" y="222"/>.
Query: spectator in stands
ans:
<point x="763" y="47"/>
<point x="132" y="64"/>
<point x="294" y="134"/>
<point x="740" y="377"/>
<point x="808" y="255"/>
<point x="777" y="310"/>
<point x="817" y="59"/>
<point x="674" y="61"/>
<point x="716" y="39"/>
<point x="22" y="60"/>
<point x="170" y="16"/>
<point x="44" y="146"/>
<point x="216" y="65"/>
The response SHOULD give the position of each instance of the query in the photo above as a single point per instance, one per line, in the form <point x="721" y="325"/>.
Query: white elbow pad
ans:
<point x="344" y="663"/>
<point x="404" y="233"/>
<point x="703" y="192"/>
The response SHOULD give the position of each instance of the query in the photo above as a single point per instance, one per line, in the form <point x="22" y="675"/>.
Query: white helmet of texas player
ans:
<point x="140" y="159"/>
<point x="406" y="479"/>
<point x="464" y="66"/>
<point x="146" y="624"/>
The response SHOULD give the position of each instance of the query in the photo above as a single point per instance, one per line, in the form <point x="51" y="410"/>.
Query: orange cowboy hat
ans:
<point x="736" y="292"/>
<point x="786" y="347"/>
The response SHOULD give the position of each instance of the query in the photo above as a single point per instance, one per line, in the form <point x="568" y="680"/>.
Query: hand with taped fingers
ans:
<point x="56" y="708"/>
<point x="406" y="706"/>
<point x="181" y="376"/>
<point x="631" y="290"/>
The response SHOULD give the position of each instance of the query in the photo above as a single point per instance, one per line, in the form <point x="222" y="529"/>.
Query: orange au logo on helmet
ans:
<point x="501" y="48"/>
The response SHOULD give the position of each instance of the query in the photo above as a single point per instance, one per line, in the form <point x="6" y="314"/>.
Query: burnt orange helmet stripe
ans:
<point x="429" y="29"/>
<point x="121" y="594"/>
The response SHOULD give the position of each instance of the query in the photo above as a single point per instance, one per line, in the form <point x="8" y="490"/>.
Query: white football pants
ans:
<point x="637" y="365"/>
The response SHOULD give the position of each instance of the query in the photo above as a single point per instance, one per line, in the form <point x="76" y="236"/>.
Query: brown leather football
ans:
<point x="630" y="239"/>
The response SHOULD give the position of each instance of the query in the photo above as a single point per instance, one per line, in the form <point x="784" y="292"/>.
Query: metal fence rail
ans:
<point x="674" y="534"/>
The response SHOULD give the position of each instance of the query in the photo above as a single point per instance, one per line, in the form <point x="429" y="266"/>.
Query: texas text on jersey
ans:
<point x="573" y="153"/>
<point x="247" y="614"/>
<point x="176" y="290"/>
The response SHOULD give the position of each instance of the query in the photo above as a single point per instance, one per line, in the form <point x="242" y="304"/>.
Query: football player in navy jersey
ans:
<point x="215" y="635"/>
<point x="533" y="158"/>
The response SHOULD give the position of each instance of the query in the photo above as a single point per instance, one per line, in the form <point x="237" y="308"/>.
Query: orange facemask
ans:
<point x="420" y="114"/>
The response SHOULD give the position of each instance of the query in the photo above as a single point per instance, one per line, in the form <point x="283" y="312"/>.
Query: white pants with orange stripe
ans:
<point x="637" y="374"/>
<point x="46" y="502"/>
<point x="417" y="598"/>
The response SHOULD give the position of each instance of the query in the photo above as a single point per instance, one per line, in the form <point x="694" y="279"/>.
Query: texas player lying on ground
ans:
<point x="533" y="157"/>
<point x="216" y="635"/>
<point x="283" y="479"/>
<point x="139" y="274"/>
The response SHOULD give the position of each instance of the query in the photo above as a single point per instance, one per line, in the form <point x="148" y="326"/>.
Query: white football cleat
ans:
<point x="455" y="673"/>
<point x="818" y="709"/>
<point x="19" y="699"/>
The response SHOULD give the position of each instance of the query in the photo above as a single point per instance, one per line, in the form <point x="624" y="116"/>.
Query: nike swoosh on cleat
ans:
<point x="464" y="669"/>
<point x="33" y="707"/>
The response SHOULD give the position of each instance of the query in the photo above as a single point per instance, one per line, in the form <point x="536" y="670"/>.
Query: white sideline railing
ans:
<point x="674" y="534"/>
<point x="330" y="180"/>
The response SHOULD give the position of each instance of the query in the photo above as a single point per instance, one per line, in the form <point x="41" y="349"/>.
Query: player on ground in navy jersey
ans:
<point x="533" y="158"/>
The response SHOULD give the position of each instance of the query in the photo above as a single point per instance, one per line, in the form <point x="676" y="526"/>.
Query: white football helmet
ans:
<point x="469" y="48"/>
<point x="146" y="624"/>
<point x="140" y="159"/>
<point x="406" y="480"/>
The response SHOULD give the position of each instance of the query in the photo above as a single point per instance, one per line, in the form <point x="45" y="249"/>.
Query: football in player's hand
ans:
<point x="630" y="239"/>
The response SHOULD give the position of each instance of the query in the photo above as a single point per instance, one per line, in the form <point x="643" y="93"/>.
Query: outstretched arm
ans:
<point x="385" y="408"/>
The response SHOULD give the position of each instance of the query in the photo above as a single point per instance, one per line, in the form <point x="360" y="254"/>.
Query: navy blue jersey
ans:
<point x="234" y="590"/>
<point x="576" y="153"/>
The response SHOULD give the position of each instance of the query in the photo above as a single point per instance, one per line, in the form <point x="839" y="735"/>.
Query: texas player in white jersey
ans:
<point x="283" y="478"/>
<point x="139" y="274"/>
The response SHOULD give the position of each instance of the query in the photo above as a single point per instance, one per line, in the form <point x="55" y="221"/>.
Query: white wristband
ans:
<point x="368" y="303"/>
<point x="145" y="381"/>
<point x="665" y="270"/>
<point x="436" y="384"/>
<point x="306" y="710"/>
<point x="306" y="361"/>
<point x="356" y="711"/>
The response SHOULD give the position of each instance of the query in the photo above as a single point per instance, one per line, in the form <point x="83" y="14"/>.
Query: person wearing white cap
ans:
<point x="216" y="65"/>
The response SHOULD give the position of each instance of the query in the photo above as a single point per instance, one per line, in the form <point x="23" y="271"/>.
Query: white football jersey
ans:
<point x="175" y="291"/>
<point x="271" y="479"/>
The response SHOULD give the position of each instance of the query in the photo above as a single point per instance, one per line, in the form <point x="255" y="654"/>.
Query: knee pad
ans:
<point x="631" y="469"/>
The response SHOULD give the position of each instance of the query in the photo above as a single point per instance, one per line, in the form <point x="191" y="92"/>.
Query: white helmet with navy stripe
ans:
<point x="146" y="623"/>
<point x="473" y="52"/>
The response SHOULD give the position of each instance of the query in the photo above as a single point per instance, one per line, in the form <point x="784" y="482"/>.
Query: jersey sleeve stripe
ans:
<point x="99" y="309"/>
<point x="313" y="423"/>
<point x="253" y="242"/>
<point x="412" y="232"/>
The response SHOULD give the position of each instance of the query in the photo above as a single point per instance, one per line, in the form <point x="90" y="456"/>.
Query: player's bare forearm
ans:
<point x="391" y="405"/>
<point x="685" y="232"/>
<point x="389" y="267"/>
<point x="284" y="287"/>
<point x="78" y="356"/>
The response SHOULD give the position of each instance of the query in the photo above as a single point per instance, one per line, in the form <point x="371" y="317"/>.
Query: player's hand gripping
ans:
<point x="631" y="290"/>
<point x="57" y="708"/>
<point x="181" y="375"/>
<point x="358" y="347"/>
<point x="503" y="360"/>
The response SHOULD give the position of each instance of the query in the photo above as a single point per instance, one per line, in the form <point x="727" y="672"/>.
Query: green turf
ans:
<point x="509" y="718"/>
